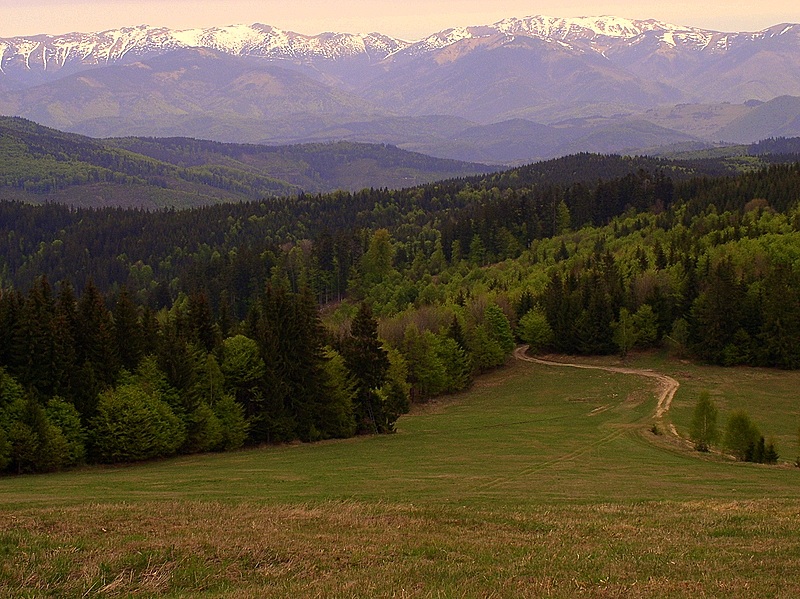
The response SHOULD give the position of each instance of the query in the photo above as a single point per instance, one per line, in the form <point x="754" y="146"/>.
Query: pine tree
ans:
<point x="96" y="348"/>
<point x="127" y="331"/>
<point x="306" y="375"/>
<point x="34" y="348"/>
<point x="65" y="326"/>
<point x="10" y="308"/>
<point x="780" y="329"/>
<point x="716" y="314"/>
<point x="200" y="322"/>
<point x="369" y="364"/>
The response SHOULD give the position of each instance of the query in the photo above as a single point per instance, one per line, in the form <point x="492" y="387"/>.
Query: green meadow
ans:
<point x="541" y="481"/>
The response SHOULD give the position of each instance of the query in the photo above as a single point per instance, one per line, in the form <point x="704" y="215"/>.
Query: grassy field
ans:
<point x="540" y="482"/>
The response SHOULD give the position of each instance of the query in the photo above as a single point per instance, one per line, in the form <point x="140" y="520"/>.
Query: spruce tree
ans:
<point x="34" y="347"/>
<point x="127" y="331"/>
<point x="200" y="321"/>
<point x="369" y="364"/>
<point x="96" y="348"/>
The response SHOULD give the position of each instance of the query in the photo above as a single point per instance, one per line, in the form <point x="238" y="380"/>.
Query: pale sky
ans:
<point x="407" y="19"/>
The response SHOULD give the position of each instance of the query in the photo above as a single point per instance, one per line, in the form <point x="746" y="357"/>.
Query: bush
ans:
<point x="203" y="430"/>
<point x="233" y="424"/>
<point x="703" y="430"/>
<point x="64" y="415"/>
<point x="36" y="444"/>
<point x="535" y="330"/>
<point x="132" y="425"/>
<point x="741" y="436"/>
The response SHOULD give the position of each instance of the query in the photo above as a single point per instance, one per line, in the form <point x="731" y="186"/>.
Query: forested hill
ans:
<point x="312" y="167"/>
<point x="504" y="212"/>
<point x="39" y="164"/>
<point x="127" y="334"/>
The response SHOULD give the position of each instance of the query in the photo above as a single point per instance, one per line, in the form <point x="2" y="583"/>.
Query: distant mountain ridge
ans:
<point x="611" y="37"/>
<point x="571" y="84"/>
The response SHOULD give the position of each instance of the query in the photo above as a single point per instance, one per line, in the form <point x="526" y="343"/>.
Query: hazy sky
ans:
<point x="408" y="19"/>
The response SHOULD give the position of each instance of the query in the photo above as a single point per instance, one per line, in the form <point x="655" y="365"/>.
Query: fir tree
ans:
<point x="127" y="331"/>
<point x="368" y="362"/>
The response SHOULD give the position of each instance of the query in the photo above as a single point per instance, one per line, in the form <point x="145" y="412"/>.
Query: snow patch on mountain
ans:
<point x="603" y="35"/>
<point x="567" y="28"/>
<point x="240" y="40"/>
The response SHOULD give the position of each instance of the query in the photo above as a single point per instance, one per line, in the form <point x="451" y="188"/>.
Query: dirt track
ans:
<point x="667" y="385"/>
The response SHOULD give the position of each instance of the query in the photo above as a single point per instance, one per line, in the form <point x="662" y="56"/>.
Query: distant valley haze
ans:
<point x="471" y="81"/>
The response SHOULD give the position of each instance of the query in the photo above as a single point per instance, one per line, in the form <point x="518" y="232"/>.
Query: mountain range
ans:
<point x="513" y="91"/>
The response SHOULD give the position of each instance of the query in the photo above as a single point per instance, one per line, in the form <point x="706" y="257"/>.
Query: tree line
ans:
<point x="82" y="382"/>
<point x="323" y="316"/>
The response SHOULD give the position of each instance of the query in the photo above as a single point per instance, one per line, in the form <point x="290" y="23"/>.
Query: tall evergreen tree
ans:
<point x="716" y="313"/>
<point x="66" y="322"/>
<point x="369" y="363"/>
<point x="780" y="330"/>
<point x="127" y="331"/>
<point x="35" y="365"/>
<point x="95" y="345"/>
<point x="200" y="321"/>
<point x="10" y="308"/>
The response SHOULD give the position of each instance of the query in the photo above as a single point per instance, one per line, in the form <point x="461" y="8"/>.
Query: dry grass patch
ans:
<point x="348" y="549"/>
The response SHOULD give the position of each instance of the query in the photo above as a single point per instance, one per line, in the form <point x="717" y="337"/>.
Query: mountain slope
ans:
<point x="319" y="167"/>
<point x="777" y="118"/>
<point x="256" y="84"/>
<point x="40" y="164"/>
<point x="187" y="92"/>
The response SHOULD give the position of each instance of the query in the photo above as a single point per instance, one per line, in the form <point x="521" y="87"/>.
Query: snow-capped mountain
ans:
<point x="258" y="83"/>
<point x="603" y="35"/>
<point x="20" y="56"/>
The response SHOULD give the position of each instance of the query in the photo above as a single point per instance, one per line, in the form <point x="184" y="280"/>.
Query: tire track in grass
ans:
<point x="667" y="388"/>
<point x="667" y="385"/>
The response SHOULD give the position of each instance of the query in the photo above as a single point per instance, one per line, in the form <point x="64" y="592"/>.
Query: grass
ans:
<point x="540" y="481"/>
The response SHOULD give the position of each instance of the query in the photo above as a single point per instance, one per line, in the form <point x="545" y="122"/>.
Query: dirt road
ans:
<point x="667" y="385"/>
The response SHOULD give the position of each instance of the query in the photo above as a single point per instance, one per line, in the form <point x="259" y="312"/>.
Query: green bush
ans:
<point x="64" y="415"/>
<point x="132" y="424"/>
<point x="741" y="436"/>
<point x="535" y="330"/>
<point x="233" y="424"/>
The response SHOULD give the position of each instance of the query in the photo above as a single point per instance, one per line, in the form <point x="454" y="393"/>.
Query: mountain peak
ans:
<point x="558" y="27"/>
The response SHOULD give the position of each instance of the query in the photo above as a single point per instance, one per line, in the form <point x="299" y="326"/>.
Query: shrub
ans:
<point x="741" y="436"/>
<point x="703" y="430"/>
<point x="535" y="330"/>
<point x="132" y="424"/>
<point x="233" y="424"/>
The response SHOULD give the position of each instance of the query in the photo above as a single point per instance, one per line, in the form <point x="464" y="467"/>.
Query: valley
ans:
<point x="520" y="486"/>
<point x="510" y="310"/>
<point x="512" y="92"/>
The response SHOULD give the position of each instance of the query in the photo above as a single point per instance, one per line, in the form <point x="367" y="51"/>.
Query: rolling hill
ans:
<point x="41" y="164"/>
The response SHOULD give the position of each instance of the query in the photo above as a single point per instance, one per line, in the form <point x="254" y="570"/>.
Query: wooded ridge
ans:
<point x="129" y="334"/>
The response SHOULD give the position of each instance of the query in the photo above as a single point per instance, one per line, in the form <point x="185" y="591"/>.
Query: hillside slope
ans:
<point x="40" y="164"/>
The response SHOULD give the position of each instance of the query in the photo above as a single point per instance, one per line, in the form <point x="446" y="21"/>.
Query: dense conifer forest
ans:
<point x="128" y="335"/>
